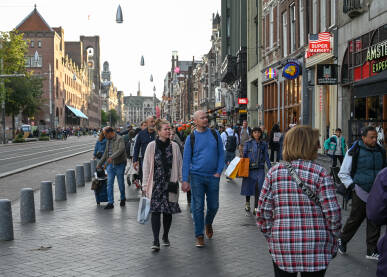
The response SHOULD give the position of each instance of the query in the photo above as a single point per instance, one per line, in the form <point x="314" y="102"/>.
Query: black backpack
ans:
<point x="192" y="139"/>
<point x="127" y="145"/>
<point x="231" y="142"/>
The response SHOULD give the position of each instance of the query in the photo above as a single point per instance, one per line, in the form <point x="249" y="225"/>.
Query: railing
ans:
<point x="353" y="7"/>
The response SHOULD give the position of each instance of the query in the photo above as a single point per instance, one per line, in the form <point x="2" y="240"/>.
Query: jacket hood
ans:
<point x="230" y="131"/>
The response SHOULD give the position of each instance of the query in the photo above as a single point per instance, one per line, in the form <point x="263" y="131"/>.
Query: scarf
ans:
<point x="167" y="164"/>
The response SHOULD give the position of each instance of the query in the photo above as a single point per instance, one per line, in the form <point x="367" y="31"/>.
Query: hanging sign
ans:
<point x="319" y="43"/>
<point x="243" y="101"/>
<point x="327" y="74"/>
<point x="270" y="73"/>
<point x="291" y="70"/>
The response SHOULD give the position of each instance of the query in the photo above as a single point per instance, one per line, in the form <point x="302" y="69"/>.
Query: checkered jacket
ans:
<point x="301" y="236"/>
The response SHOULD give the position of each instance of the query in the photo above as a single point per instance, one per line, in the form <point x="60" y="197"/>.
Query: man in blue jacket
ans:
<point x="203" y="162"/>
<point x="360" y="166"/>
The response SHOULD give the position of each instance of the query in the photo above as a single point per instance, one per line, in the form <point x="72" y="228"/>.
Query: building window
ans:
<point x="32" y="44"/>
<point x="323" y="12"/>
<point x="285" y="34"/>
<point x="292" y="28"/>
<point x="31" y="62"/>
<point x="271" y="32"/>
<point x="301" y="14"/>
<point x="39" y="43"/>
<point x="333" y="12"/>
<point x="315" y="19"/>
<point x="56" y="64"/>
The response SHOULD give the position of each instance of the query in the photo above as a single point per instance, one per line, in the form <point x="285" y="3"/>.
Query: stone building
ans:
<point x="69" y="98"/>
<point x="109" y="93"/>
<point x="138" y="108"/>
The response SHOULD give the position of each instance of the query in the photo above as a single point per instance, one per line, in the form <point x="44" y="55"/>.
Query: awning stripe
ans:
<point x="77" y="112"/>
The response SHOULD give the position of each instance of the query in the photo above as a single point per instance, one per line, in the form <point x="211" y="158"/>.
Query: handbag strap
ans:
<point x="312" y="196"/>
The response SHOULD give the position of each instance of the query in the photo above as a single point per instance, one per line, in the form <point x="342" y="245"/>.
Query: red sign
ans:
<point x="319" y="43"/>
<point x="243" y="101"/>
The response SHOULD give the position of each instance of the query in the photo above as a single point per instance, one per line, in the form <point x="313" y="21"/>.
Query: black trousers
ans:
<point x="335" y="158"/>
<point x="356" y="218"/>
<point x="280" y="273"/>
<point x="156" y="225"/>
<point x="272" y="155"/>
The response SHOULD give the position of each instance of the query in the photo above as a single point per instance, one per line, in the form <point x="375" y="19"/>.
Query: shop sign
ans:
<point x="319" y="43"/>
<point x="291" y="70"/>
<point x="243" y="101"/>
<point x="377" y="51"/>
<point x="327" y="74"/>
<point x="270" y="73"/>
<point x="242" y="111"/>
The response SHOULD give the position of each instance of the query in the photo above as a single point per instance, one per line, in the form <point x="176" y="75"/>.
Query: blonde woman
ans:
<point x="301" y="230"/>
<point x="162" y="171"/>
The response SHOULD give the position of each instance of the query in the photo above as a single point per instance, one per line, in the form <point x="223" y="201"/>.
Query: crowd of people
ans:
<point x="295" y="201"/>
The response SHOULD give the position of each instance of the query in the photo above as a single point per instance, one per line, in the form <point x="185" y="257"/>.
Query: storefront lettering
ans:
<point x="377" y="51"/>
<point x="379" y="66"/>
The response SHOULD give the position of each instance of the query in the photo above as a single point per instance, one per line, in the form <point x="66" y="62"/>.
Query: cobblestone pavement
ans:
<point x="81" y="239"/>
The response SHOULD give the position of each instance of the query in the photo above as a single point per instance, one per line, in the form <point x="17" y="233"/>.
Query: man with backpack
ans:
<point x="361" y="164"/>
<point x="203" y="162"/>
<point x="230" y="141"/>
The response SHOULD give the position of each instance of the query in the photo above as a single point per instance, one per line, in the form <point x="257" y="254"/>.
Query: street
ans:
<point x="16" y="156"/>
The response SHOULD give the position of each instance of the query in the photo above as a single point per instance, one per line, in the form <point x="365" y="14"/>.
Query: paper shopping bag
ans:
<point x="243" y="170"/>
<point x="233" y="166"/>
<point x="143" y="210"/>
<point x="235" y="172"/>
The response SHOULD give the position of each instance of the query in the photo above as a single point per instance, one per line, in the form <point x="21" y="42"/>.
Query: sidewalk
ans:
<point x="80" y="239"/>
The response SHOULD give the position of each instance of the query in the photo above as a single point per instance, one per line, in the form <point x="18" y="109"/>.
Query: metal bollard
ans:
<point x="27" y="206"/>
<point x="46" y="199"/>
<point x="87" y="168"/>
<point x="60" y="187"/>
<point x="80" y="175"/>
<point x="70" y="181"/>
<point x="6" y="222"/>
<point x="93" y="164"/>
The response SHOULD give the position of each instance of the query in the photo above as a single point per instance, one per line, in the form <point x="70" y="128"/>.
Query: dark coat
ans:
<point x="377" y="212"/>
<point x="142" y="141"/>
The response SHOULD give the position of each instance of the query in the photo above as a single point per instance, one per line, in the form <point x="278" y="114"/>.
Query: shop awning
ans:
<point x="372" y="86"/>
<point x="77" y="112"/>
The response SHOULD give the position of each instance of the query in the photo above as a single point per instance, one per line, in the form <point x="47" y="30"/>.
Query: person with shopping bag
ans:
<point x="298" y="212"/>
<point x="256" y="150"/>
<point x="162" y="172"/>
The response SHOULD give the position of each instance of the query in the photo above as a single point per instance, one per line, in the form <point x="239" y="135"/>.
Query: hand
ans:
<point x="135" y="165"/>
<point x="186" y="187"/>
<point x="94" y="158"/>
<point x="109" y="160"/>
<point x="217" y="175"/>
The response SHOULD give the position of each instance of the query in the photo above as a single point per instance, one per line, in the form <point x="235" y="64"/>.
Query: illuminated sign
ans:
<point x="377" y="51"/>
<point x="270" y="73"/>
<point x="242" y="111"/>
<point x="319" y="43"/>
<point x="243" y="101"/>
<point x="291" y="70"/>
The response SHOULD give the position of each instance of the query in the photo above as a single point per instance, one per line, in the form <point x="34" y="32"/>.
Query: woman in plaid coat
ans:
<point x="302" y="235"/>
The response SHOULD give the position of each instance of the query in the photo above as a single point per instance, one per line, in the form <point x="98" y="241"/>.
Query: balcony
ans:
<point x="353" y="8"/>
<point x="228" y="69"/>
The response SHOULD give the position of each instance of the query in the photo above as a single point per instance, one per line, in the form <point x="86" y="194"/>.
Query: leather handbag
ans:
<point x="173" y="187"/>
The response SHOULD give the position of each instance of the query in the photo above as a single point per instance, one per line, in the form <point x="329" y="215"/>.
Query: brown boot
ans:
<point x="209" y="231"/>
<point x="200" y="241"/>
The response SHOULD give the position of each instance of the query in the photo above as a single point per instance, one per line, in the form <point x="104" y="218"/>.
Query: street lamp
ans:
<point x="119" y="17"/>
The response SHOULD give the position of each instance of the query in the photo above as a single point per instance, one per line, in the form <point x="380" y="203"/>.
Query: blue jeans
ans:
<point x="201" y="186"/>
<point x="228" y="157"/>
<point x="112" y="172"/>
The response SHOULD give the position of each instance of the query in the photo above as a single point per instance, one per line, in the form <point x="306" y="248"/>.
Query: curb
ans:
<point x="6" y="174"/>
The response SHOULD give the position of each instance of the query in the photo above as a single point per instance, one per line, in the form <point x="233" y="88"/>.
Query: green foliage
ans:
<point x="113" y="117"/>
<point x="19" y="138"/>
<point x="44" y="137"/>
<point x="104" y="118"/>
<point x="13" y="51"/>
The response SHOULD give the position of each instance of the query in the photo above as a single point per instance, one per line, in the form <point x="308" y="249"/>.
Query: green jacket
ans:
<point x="118" y="147"/>
<point x="331" y="143"/>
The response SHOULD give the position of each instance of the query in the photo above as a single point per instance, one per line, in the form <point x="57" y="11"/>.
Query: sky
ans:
<point x="151" y="28"/>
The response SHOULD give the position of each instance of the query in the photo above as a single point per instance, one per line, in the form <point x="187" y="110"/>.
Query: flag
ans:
<point x="319" y="43"/>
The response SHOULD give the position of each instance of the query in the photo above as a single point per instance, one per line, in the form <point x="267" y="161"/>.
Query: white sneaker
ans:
<point x="373" y="256"/>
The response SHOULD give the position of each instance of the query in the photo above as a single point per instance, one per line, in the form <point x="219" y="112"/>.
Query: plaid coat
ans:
<point x="301" y="236"/>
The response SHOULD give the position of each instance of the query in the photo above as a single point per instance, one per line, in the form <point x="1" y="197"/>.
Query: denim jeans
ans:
<point x="201" y="186"/>
<point x="112" y="172"/>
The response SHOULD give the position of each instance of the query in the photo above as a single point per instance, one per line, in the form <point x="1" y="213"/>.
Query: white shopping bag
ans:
<point x="143" y="210"/>
<point x="232" y="167"/>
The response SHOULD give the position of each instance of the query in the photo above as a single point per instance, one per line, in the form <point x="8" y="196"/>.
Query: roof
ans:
<point x="184" y="65"/>
<point x="138" y="100"/>
<point x="34" y="22"/>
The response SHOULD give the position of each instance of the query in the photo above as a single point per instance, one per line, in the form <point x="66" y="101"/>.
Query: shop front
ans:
<point x="364" y="72"/>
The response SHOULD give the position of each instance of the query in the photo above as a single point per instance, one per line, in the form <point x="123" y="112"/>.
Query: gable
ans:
<point x="34" y="22"/>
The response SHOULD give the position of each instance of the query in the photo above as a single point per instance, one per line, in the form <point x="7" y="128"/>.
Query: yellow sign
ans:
<point x="242" y="111"/>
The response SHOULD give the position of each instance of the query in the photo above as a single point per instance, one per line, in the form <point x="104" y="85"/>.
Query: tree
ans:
<point x="113" y="117"/>
<point x="23" y="95"/>
<point x="104" y="118"/>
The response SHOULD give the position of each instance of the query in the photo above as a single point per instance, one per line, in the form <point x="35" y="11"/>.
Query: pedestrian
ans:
<point x="265" y="137"/>
<point x="115" y="157"/>
<point x="143" y="139"/>
<point x="143" y="125"/>
<point x="361" y="164"/>
<point x="300" y="220"/>
<point x="275" y="143"/>
<point x="257" y="151"/>
<point x="244" y="135"/>
<point x="335" y="147"/>
<point x="377" y="213"/>
<point x="203" y="162"/>
<point x="162" y="173"/>
<point x="100" y="146"/>
<point x="230" y="142"/>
